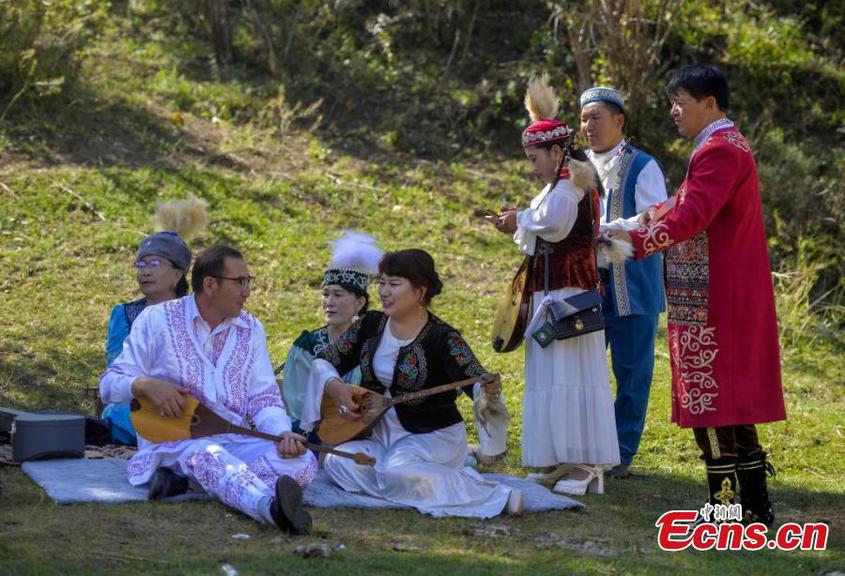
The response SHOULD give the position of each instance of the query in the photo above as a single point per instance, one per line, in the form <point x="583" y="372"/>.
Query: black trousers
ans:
<point x="734" y="442"/>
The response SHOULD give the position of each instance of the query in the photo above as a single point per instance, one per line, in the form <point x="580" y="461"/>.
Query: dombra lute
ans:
<point x="199" y="421"/>
<point x="512" y="311"/>
<point x="335" y="429"/>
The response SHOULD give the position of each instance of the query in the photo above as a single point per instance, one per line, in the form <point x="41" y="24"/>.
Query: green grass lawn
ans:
<point x="64" y="267"/>
<point x="78" y="189"/>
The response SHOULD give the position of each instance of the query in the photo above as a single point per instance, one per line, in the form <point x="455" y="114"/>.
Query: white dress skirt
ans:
<point x="424" y="471"/>
<point x="567" y="409"/>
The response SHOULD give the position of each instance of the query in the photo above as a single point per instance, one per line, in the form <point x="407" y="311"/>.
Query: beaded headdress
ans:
<point x="355" y="257"/>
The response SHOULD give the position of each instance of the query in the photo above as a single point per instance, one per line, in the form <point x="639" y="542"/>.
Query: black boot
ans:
<point x="721" y="479"/>
<point x="167" y="483"/>
<point x="753" y="491"/>
<point x="721" y="483"/>
<point x="286" y="508"/>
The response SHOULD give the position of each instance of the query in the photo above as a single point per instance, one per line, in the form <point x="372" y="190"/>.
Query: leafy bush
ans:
<point x="40" y="45"/>
<point x="806" y="313"/>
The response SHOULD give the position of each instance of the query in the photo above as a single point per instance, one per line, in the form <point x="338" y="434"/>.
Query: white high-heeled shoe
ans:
<point x="556" y="474"/>
<point x="516" y="503"/>
<point x="593" y="483"/>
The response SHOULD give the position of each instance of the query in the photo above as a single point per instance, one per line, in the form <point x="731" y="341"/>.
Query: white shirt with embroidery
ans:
<point x="228" y="369"/>
<point x="649" y="190"/>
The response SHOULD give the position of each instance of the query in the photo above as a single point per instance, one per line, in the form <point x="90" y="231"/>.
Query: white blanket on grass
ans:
<point x="80" y="480"/>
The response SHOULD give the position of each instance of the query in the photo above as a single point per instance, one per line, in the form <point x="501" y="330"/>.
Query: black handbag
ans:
<point x="574" y="316"/>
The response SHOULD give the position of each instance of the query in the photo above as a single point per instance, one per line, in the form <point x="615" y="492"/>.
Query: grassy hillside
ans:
<point x="78" y="185"/>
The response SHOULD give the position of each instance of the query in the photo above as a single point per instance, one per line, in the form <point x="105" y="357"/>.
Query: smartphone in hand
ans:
<point x="490" y="215"/>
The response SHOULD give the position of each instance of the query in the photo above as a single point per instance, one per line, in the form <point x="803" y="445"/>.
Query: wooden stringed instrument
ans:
<point x="335" y="429"/>
<point x="199" y="421"/>
<point x="512" y="311"/>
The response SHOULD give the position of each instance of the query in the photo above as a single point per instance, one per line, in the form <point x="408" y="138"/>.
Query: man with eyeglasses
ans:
<point x="207" y="346"/>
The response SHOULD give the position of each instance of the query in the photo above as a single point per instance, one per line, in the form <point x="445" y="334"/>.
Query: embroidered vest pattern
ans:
<point x="615" y="207"/>
<point x="571" y="260"/>
<point x="131" y="310"/>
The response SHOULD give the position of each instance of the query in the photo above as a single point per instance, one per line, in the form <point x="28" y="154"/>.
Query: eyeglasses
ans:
<point x="246" y="282"/>
<point x="153" y="263"/>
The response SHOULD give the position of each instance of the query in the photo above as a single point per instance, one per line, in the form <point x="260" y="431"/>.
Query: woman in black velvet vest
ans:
<point x="420" y="445"/>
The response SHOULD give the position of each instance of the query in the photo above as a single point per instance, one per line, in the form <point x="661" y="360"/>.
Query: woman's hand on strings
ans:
<point x="341" y="395"/>
<point x="166" y="396"/>
<point x="291" y="445"/>
<point x="492" y="387"/>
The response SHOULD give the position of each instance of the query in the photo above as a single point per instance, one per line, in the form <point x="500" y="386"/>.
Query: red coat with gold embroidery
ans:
<point x="723" y="336"/>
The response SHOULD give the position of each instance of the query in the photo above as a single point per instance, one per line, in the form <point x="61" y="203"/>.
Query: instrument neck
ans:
<point x="233" y="429"/>
<point x="431" y="391"/>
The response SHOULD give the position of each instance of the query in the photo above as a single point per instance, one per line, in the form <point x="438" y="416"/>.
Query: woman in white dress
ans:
<point x="419" y="446"/>
<point x="568" y="421"/>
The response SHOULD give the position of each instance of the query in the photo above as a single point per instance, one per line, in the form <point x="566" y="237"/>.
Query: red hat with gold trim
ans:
<point x="542" y="106"/>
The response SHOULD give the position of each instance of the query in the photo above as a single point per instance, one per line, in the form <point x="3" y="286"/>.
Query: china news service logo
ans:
<point x="720" y="528"/>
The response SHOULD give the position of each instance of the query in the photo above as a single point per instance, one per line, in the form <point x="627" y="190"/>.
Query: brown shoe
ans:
<point x="286" y="508"/>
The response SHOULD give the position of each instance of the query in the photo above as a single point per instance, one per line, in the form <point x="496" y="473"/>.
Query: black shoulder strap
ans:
<point x="594" y="238"/>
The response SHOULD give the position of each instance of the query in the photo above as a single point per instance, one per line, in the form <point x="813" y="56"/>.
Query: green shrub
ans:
<point x="40" y="45"/>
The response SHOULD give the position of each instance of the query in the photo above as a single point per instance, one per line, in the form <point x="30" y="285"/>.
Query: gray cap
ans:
<point x="168" y="245"/>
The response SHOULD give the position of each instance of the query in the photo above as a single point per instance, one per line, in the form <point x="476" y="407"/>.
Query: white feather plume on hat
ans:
<point x="540" y="99"/>
<point x="186" y="217"/>
<point x="356" y="251"/>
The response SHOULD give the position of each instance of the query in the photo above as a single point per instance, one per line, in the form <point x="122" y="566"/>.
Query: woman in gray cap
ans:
<point x="161" y="265"/>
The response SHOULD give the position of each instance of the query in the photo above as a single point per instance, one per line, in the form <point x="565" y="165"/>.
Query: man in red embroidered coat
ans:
<point x="722" y="324"/>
